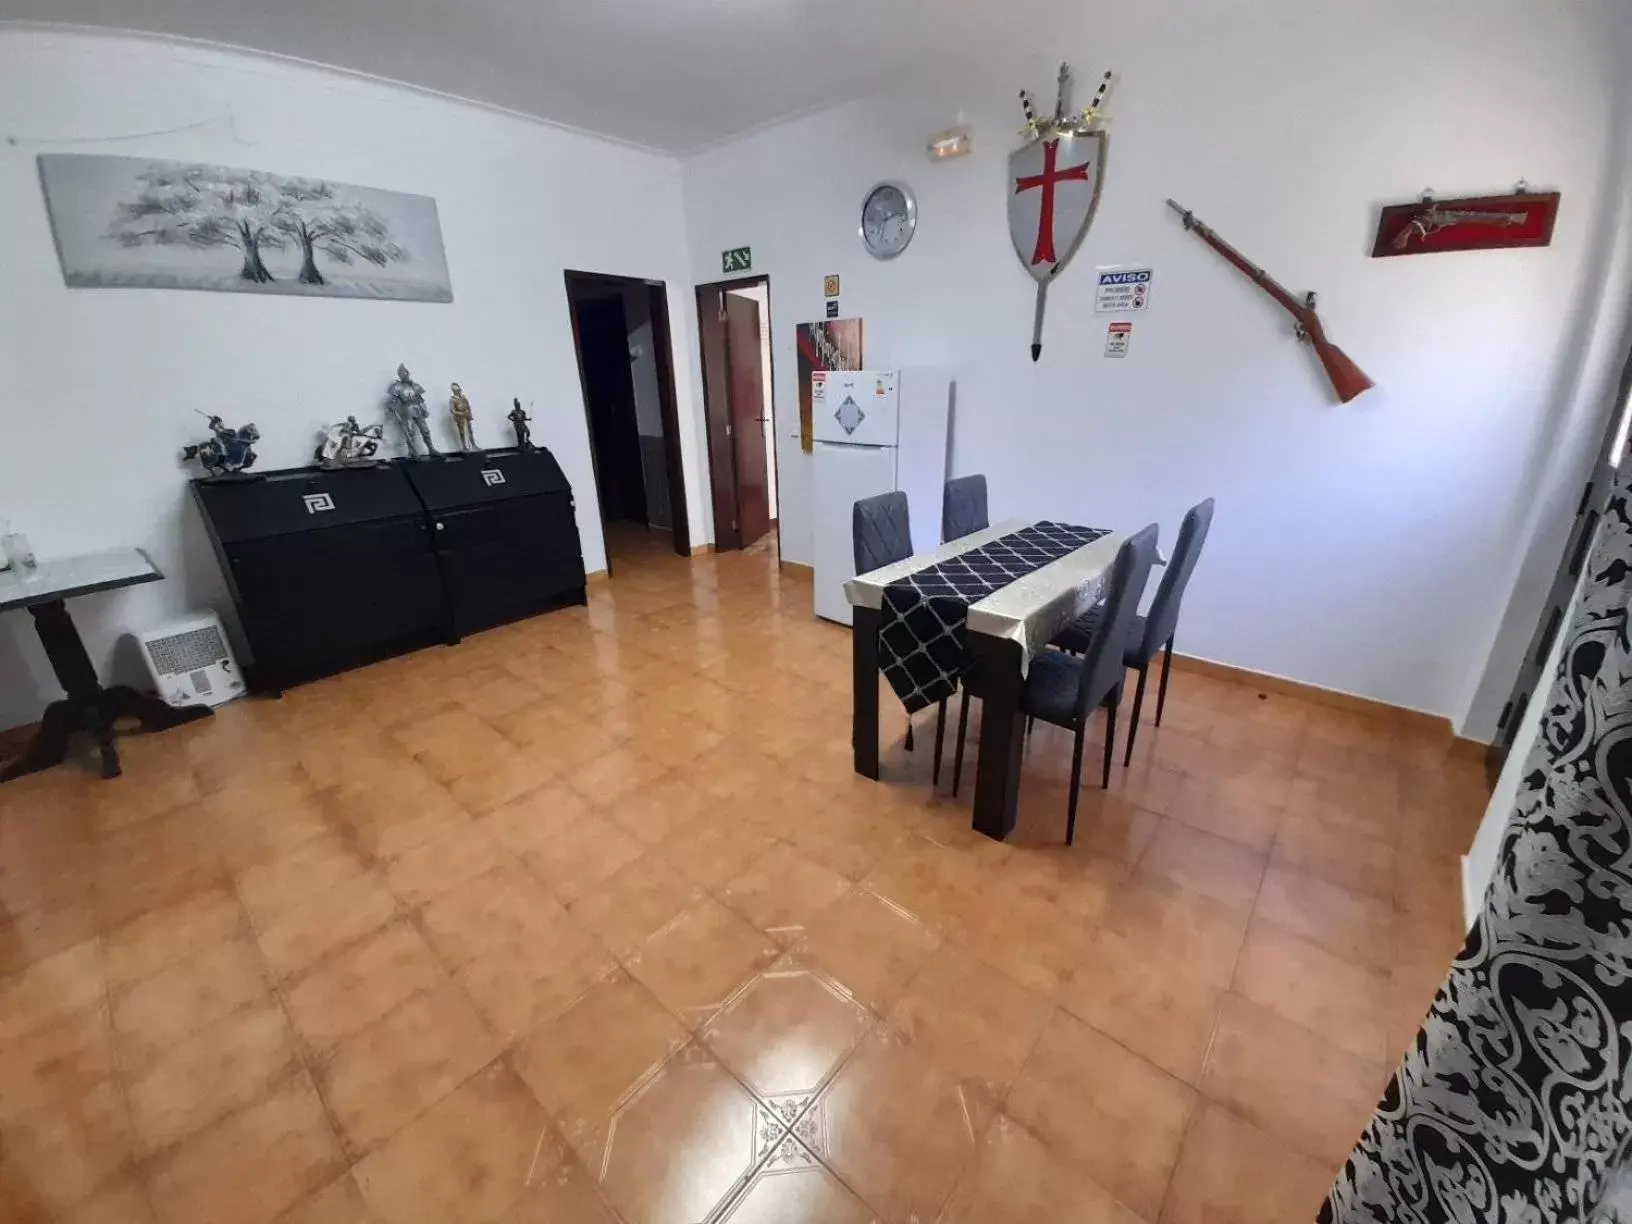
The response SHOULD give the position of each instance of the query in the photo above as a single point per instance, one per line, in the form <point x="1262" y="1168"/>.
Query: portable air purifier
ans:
<point x="191" y="662"/>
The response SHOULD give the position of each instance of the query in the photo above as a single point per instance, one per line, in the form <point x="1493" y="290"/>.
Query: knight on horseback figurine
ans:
<point x="228" y="452"/>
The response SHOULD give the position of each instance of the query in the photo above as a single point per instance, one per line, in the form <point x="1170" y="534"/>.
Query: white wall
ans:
<point x="100" y="387"/>
<point x="1369" y="547"/>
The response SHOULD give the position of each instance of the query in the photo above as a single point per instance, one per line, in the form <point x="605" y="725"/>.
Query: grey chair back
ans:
<point x="880" y="531"/>
<point x="1103" y="665"/>
<point x="1164" y="609"/>
<point x="963" y="507"/>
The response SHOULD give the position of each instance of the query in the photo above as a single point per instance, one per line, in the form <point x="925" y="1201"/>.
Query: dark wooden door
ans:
<point x="747" y="390"/>
<point x="722" y="465"/>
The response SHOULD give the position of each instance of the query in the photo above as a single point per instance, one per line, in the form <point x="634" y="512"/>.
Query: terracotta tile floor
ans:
<point x="588" y="919"/>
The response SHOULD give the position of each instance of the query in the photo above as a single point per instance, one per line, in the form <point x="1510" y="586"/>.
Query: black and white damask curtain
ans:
<point x="1512" y="1107"/>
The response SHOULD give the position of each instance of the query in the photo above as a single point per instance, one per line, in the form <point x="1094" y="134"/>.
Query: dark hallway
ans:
<point x="609" y="393"/>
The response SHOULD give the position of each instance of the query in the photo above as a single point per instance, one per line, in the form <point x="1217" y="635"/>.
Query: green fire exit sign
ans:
<point x="737" y="259"/>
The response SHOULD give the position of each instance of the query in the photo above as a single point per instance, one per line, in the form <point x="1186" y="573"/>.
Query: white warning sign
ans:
<point x="1122" y="290"/>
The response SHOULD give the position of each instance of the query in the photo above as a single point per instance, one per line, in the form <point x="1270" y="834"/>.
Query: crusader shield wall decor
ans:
<point x="1053" y="186"/>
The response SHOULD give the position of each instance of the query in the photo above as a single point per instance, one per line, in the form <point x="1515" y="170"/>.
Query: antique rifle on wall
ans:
<point x="1347" y="379"/>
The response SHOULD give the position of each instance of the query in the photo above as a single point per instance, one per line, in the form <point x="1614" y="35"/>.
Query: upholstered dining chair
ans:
<point x="1066" y="689"/>
<point x="963" y="507"/>
<point x="881" y="534"/>
<point x="1154" y="631"/>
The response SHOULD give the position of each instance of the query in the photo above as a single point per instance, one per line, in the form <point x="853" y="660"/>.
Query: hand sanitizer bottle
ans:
<point x="14" y="545"/>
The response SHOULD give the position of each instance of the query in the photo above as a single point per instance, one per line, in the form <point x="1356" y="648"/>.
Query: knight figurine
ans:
<point x="524" y="435"/>
<point x="405" y="401"/>
<point x="228" y="451"/>
<point x="348" y="444"/>
<point x="459" y="410"/>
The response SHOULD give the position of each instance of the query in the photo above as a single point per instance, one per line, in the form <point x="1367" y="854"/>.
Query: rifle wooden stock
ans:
<point x="1348" y="380"/>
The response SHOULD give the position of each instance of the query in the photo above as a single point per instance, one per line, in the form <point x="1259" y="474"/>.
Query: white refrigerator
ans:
<point x="875" y="431"/>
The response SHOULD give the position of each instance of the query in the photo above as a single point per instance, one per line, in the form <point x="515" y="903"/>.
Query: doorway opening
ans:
<point x="734" y="325"/>
<point x="620" y="330"/>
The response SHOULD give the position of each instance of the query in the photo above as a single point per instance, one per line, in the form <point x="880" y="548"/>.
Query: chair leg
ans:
<point x="1161" y="690"/>
<point x="1133" y="723"/>
<point x="940" y="741"/>
<point x="909" y="732"/>
<point x="1076" y="785"/>
<point x="1111" y="702"/>
<point x="957" y="756"/>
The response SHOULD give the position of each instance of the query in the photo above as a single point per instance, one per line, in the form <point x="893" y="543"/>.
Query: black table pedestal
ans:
<point x="88" y="706"/>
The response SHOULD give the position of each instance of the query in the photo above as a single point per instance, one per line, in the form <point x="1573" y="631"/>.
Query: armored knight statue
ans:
<point x="228" y="451"/>
<point x="459" y="409"/>
<point x="349" y="444"/>
<point x="524" y="435"/>
<point x="405" y="401"/>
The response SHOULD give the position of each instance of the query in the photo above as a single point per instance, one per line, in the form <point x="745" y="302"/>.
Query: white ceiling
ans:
<point x="672" y="75"/>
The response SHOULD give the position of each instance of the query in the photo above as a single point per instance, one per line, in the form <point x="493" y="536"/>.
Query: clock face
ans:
<point x="889" y="215"/>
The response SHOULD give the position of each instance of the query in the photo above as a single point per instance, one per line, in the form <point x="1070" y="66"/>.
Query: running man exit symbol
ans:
<point x="737" y="259"/>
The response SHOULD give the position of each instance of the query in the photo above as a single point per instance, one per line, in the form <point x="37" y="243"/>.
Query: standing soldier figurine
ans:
<point x="459" y="409"/>
<point x="405" y="401"/>
<point x="524" y="435"/>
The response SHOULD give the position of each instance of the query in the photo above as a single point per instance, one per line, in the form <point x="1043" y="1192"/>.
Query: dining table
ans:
<point x="976" y="610"/>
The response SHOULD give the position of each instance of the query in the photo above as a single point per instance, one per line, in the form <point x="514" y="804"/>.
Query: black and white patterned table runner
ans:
<point x="921" y="632"/>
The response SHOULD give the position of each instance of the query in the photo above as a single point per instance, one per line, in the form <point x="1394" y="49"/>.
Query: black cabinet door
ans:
<point x="509" y="560"/>
<point x="323" y="601"/>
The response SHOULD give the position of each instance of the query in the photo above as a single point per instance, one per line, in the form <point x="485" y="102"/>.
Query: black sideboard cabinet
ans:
<point x="329" y="570"/>
<point x="332" y="570"/>
<point x="505" y="534"/>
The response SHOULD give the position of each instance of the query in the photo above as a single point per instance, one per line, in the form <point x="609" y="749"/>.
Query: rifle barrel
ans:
<point x="1347" y="379"/>
<point x="1252" y="271"/>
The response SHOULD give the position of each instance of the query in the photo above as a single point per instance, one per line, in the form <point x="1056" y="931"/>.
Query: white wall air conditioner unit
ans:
<point x="191" y="662"/>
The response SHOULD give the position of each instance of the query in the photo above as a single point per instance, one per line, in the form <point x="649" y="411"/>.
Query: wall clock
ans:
<point x="889" y="215"/>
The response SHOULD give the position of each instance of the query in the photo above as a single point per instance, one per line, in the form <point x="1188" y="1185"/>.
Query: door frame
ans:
<point x="707" y="294"/>
<point x="1530" y="680"/>
<point x="657" y="297"/>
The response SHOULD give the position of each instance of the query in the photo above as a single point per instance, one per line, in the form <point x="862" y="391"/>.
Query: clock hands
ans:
<point x="887" y="220"/>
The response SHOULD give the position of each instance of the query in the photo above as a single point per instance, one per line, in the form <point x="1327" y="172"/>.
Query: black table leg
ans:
<point x="1002" y="734"/>
<point x="864" y="679"/>
<point x="88" y="706"/>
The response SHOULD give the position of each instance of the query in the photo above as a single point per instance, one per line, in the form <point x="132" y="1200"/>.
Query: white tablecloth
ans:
<point x="1031" y="610"/>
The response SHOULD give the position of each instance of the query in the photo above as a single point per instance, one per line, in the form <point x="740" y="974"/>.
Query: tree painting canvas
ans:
<point x="134" y="222"/>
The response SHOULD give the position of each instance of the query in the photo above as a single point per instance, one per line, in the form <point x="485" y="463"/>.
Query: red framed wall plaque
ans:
<point x="1472" y="223"/>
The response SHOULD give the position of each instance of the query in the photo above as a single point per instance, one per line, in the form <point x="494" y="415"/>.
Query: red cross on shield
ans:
<point x="1053" y="192"/>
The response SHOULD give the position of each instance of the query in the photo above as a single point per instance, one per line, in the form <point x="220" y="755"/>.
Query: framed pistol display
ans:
<point x="1521" y="218"/>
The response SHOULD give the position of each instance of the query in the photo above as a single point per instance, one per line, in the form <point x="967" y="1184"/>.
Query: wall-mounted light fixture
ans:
<point x="954" y="142"/>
